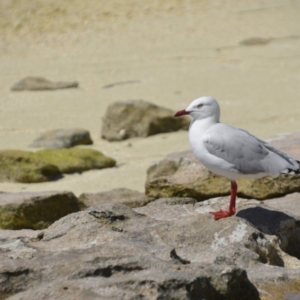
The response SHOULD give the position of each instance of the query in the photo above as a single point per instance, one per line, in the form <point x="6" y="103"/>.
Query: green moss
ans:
<point x="76" y="159"/>
<point x="38" y="212"/>
<point x="45" y="165"/>
<point x="26" y="167"/>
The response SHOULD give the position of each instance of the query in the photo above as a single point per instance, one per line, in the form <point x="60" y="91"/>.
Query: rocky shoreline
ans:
<point x="124" y="244"/>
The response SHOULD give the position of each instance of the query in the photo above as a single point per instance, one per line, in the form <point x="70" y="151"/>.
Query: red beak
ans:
<point x="181" y="113"/>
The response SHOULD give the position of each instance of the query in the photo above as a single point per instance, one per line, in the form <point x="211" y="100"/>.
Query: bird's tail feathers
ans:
<point x="290" y="171"/>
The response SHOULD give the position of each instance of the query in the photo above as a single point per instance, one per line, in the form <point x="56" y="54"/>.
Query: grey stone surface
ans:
<point x="169" y="249"/>
<point x="62" y="138"/>
<point x="120" y="195"/>
<point x="32" y="83"/>
<point x="110" y="251"/>
<point x="288" y="204"/>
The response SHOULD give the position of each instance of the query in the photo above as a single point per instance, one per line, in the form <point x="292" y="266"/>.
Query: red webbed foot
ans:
<point x="222" y="214"/>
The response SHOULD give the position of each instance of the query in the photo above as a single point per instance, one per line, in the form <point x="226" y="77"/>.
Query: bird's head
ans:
<point x="202" y="108"/>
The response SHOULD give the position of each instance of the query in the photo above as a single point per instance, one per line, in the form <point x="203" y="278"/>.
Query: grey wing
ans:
<point x="245" y="152"/>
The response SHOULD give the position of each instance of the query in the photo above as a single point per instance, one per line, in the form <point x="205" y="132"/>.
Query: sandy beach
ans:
<point x="245" y="53"/>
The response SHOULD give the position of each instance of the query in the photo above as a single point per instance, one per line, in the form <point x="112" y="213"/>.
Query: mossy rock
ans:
<point x="36" y="210"/>
<point x="138" y="118"/>
<point x="25" y="167"/>
<point x="182" y="175"/>
<point x="76" y="159"/>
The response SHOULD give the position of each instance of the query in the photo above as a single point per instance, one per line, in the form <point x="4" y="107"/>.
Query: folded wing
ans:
<point x="246" y="153"/>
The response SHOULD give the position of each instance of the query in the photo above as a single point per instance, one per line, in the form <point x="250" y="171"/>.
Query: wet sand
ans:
<point x="168" y="53"/>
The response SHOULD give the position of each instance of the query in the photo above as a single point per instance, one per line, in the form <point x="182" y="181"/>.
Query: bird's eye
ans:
<point x="200" y="105"/>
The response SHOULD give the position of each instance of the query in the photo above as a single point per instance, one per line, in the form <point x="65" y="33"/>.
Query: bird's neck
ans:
<point x="200" y="126"/>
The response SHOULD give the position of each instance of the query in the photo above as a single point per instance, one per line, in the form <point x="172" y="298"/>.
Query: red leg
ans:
<point x="223" y="213"/>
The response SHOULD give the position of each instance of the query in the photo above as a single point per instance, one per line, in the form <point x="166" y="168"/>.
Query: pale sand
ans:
<point x="178" y="51"/>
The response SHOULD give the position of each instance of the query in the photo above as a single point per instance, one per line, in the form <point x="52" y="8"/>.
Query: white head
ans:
<point x="202" y="108"/>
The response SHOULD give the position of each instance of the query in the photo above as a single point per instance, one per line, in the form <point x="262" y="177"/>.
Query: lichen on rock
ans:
<point x="49" y="164"/>
<point x="76" y="159"/>
<point x="26" y="167"/>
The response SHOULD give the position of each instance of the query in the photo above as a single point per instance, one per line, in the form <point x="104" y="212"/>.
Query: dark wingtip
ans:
<point x="298" y="171"/>
<point x="293" y="172"/>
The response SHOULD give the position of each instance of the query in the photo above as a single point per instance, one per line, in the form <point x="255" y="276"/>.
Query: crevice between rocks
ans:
<point x="106" y="271"/>
<point x="284" y="229"/>
<point x="177" y="258"/>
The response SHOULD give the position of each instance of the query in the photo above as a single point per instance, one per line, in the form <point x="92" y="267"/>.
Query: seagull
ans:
<point x="232" y="152"/>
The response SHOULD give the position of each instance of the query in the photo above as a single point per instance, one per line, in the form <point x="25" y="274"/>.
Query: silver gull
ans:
<point x="231" y="152"/>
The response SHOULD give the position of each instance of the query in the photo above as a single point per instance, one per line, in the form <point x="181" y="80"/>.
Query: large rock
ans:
<point x="110" y="251"/>
<point x="26" y="167"/>
<point x="138" y="118"/>
<point x="181" y="174"/>
<point x="169" y="249"/>
<point x="13" y="243"/>
<point x="62" y="138"/>
<point x="76" y="159"/>
<point x="119" y="195"/>
<point x="35" y="210"/>
<point x="131" y="279"/>
<point x="31" y="83"/>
